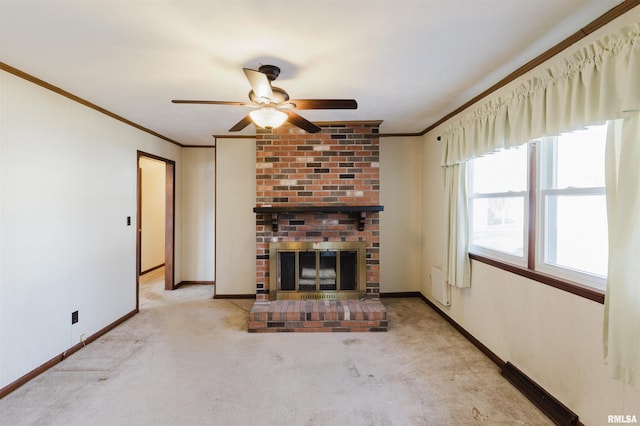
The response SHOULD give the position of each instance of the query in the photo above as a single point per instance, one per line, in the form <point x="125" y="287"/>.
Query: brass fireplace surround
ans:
<point x="312" y="290"/>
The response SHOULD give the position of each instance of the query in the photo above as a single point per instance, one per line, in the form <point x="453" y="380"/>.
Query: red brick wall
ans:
<point x="337" y="166"/>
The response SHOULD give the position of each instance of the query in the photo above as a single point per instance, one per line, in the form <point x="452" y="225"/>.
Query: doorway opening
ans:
<point x="152" y="212"/>
<point x="156" y="190"/>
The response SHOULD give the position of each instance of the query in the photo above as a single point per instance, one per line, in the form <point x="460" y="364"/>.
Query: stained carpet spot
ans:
<point x="353" y="370"/>
<point x="478" y="415"/>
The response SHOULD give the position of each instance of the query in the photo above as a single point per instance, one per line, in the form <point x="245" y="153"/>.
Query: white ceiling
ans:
<point x="406" y="62"/>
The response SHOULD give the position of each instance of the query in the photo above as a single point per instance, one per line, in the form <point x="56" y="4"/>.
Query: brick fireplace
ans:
<point x="318" y="189"/>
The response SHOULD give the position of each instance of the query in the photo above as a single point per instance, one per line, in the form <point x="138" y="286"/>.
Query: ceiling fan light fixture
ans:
<point x="268" y="117"/>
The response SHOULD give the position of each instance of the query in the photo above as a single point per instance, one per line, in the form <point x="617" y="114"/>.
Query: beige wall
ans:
<point x="552" y="336"/>
<point x="68" y="179"/>
<point x="400" y="222"/>
<point x="432" y="205"/>
<point x="198" y="214"/>
<point x="236" y="222"/>
<point x="152" y="203"/>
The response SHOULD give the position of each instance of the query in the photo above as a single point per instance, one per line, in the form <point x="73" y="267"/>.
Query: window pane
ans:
<point x="500" y="172"/>
<point x="577" y="233"/>
<point x="498" y="224"/>
<point x="579" y="159"/>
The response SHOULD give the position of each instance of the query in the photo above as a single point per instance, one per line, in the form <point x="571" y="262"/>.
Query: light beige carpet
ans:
<point x="187" y="359"/>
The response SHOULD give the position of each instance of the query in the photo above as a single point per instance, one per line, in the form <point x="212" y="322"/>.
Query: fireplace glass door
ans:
<point x="318" y="270"/>
<point x="330" y="271"/>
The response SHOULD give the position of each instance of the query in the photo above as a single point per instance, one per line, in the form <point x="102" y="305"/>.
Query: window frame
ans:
<point x="580" y="284"/>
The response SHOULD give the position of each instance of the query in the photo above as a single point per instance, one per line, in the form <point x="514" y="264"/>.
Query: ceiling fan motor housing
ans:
<point x="271" y="71"/>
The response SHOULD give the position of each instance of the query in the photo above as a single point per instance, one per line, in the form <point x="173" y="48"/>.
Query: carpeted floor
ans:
<point x="187" y="359"/>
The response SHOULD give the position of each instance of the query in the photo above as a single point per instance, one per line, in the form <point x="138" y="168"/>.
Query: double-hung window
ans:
<point x="542" y="207"/>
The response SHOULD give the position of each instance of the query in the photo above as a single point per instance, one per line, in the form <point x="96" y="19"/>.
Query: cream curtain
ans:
<point x="597" y="83"/>
<point x="622" y="300"/>
<point x="456" y="266"/>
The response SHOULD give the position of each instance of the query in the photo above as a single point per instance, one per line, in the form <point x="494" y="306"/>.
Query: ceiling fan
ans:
<point x="272" y="104"/>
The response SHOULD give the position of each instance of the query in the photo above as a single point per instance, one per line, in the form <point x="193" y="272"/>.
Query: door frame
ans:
<point x="169" y="222"/>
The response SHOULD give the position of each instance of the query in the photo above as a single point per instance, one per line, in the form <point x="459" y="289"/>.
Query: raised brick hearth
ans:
<point x="336" y="167"/>
<point x="318" y="315"/>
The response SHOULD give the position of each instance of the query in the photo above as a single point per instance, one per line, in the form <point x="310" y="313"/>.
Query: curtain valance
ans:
<point x="597" y="83"/>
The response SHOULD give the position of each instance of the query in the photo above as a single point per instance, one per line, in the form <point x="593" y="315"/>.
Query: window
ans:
<point x="497" y="204"/>
<point x="568" y="224"/>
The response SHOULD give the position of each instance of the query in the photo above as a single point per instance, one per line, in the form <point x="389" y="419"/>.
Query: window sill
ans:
<point x="564" y="285"/>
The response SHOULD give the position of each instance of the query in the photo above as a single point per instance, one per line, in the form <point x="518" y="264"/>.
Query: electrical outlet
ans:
<point x="74" y="317"/>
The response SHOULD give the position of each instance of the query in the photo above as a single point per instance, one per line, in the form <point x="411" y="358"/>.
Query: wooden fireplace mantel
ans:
<point x="360" y="212"/>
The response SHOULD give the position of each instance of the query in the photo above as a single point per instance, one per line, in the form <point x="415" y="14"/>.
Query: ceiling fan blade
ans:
<point x="301" y="122"/>
<point x="325" y="103"/>
<point x="260" y="84"/>
<point x="241" y="124"/>
<point x="188" y="101"/>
